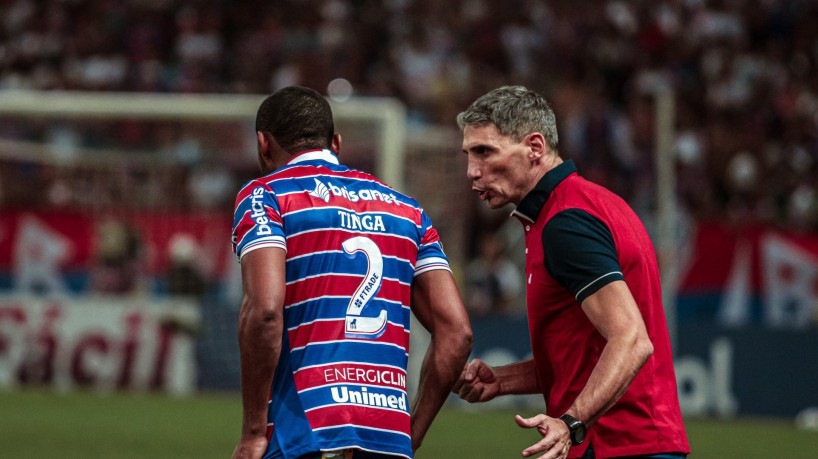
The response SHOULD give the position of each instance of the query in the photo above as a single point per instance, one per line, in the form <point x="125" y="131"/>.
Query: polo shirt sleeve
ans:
<point x="579" y="253"/>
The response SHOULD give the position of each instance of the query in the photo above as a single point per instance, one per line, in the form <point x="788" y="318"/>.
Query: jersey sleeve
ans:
<point x="580" y="253"/>
<point x="430" y="250"/>
<point x="257" y="220"/>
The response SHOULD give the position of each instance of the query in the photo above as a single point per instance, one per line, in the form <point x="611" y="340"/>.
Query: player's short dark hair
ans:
<point x="298" y="118"/>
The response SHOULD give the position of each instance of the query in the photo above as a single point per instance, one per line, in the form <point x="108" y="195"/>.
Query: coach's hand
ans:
<point x="556" y="438"/>
<point x="477" y="383"/>
<point x="250" y="447"/>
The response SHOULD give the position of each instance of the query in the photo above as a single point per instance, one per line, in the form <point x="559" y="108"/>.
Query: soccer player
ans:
<point x="601" y="352"/>
<point x="332" y="260"/>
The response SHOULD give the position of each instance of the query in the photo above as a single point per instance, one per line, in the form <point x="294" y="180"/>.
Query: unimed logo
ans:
<point x="325" y="191"/>
<point x="366" y="398"/>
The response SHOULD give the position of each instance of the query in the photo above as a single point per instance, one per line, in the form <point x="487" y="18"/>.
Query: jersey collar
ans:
<point x="531" y="205"/>
<point x="314" y="155"/>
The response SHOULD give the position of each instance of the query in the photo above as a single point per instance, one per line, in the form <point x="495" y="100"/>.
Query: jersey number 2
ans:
<point x="357" y="325"/>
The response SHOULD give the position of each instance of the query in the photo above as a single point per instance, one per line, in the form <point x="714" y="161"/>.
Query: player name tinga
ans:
<point x="364" y="397"/>
<point x="353" y="221"/>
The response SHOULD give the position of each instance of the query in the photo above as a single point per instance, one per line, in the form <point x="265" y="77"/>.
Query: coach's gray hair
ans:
<point x="516" y="112"/>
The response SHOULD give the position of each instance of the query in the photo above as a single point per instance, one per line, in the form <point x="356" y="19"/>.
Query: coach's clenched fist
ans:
<point x="477" y="383"/>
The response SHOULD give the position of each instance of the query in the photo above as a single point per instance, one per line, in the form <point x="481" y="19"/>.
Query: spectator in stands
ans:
<point x="118" y="269"/>
<point x="184" y="276"/>
<point x="493" y="281"/>
<point x="748" y="70"/>
<point x="185" y="280"/>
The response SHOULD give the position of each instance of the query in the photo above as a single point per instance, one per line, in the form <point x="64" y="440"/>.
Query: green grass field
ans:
<point x="36" y="424"/>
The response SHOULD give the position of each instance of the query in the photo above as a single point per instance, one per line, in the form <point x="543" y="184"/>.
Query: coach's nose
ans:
<point x="473" y="171"/>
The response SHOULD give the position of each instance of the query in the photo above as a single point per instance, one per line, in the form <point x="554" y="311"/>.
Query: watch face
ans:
<point x="579" y="434"/>
<point x="577" y="428"/>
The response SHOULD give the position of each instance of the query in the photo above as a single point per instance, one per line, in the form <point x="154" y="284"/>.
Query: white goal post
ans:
<point x="667" y="212"/>
<point x="389" y="115"/>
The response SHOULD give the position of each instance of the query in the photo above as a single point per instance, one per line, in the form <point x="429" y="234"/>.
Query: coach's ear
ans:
<point x="336" y="143"/>
<point x="537" y="148"/>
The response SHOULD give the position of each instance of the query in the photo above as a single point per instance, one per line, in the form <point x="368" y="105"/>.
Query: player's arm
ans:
<point x="260" y="331"/>
<point x="437" y="305"/>
<point x="614" y="313"/>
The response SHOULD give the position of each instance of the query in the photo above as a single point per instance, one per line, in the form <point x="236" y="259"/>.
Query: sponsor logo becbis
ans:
<point x="326" y="191"/>
<point x="259" y="215"/>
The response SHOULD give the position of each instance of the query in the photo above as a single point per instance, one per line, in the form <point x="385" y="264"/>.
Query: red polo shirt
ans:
<point x="580" y="237"/>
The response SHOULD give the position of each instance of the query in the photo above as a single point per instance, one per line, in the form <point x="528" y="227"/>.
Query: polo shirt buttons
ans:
<point x="526" y="250"/>
<point x="527" y="228"/>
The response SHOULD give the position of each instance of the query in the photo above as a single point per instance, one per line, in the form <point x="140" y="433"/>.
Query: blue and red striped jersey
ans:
<point x="353" y="248"/>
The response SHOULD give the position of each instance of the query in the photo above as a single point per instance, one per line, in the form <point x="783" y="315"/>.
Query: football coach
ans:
<point x="599" y="340"/>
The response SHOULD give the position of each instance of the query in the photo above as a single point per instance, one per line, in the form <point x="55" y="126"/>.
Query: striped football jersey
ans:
<point x="353" y="247"/>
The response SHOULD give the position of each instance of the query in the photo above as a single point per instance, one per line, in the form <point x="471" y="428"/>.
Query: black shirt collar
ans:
<point x="532" y="203"/>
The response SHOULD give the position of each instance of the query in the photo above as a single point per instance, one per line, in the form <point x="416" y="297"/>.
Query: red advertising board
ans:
<point x="38" y="249"/>
<point x="100" y="343"/>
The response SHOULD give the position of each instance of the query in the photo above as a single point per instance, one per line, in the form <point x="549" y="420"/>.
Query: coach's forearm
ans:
<point x="618" y="365"/>
<point x="614" y="313"/>
<point x="440" y="370"/>
<point x="260" y="329"/>
<point x="518" y="378"/>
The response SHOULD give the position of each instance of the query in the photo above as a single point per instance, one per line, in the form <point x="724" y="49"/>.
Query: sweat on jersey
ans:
<point x="353" y="248"/>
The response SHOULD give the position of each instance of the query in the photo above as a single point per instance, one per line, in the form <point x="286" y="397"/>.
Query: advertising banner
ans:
<point x="100" y="343"/>
<point x="750" y="276"/>
<point x="747" y="371"/>
<point x="71" y="252"/>
<point x="720" y="371"/>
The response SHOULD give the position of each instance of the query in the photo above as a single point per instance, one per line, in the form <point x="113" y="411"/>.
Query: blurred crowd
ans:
<point x="744" y="74"/>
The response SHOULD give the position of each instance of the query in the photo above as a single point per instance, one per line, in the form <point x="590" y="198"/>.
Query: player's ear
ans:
<point x="537" y="148"/>
<point x="264" y="147"/>
<point x="336" y="143"/>
<point x="270" y="155"/>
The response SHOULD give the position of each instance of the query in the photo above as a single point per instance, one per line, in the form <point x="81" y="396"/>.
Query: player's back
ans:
<point x="353" y="246"/>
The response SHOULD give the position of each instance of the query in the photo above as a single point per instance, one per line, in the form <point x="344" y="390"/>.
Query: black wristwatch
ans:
<point x="577" y="428"/>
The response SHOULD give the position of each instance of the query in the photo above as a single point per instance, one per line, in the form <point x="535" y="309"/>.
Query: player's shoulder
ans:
<point x="401" y="197"/>
<point x="249" y="188"/>
<point x="280" y="177"/>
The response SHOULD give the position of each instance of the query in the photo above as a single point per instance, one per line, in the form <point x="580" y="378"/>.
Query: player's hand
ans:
<point x="477" y="383"/>
<point x="250" y="447"/>
<point x="556" y="438"/>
